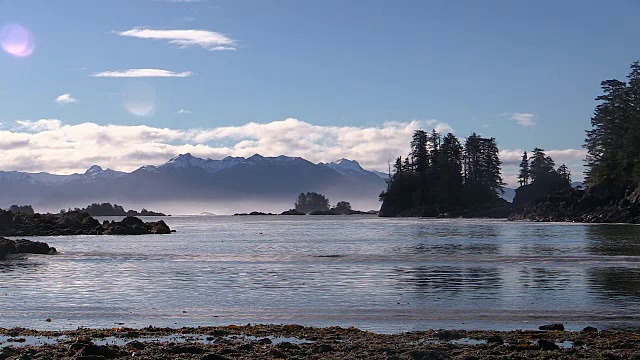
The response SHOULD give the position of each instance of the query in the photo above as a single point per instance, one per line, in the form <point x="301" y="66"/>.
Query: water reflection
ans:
<point x="615" y="283"/>
<point x="544" y="278"/>
<point x="613" y="240"/>
<point x="455" y="249"/>
<point x="451" y="279"/>
<point x="7" y="266"/>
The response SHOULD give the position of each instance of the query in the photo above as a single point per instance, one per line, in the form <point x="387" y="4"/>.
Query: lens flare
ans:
<point x="139" y="99"/>
<point x="17" y="40"/>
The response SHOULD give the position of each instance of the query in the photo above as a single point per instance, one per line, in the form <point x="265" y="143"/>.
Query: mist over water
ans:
<point x="221" y="207"/>
<point x="384" y="275"/>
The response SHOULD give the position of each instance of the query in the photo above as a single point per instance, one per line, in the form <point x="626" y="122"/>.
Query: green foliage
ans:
<point x="310" y="202"/>
<point x="441" y="174"/>
<point x="613" y="143"/>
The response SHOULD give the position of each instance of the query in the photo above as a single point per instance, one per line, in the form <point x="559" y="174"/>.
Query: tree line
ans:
<point x="441" y="173"/>
<point x="107" y="209"/>
<point x="613" y="143"/>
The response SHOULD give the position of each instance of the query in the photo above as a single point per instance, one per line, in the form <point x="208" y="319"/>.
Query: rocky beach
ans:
<point x="298" y="342"/>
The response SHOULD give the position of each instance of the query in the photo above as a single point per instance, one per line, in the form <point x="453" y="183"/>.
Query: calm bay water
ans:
<point x="384" y="275"/>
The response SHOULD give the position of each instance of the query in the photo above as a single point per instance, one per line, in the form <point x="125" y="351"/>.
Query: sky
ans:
<point x="126" y="83"/>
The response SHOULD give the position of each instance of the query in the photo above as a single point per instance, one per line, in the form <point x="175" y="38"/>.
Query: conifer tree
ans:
<point x="419" y="152"/>
<point x="564" y="173"/>
<point x="523" y="176"/>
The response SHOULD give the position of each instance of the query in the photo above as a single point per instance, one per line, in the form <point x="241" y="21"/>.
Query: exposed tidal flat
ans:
<point x="384" y="275"/>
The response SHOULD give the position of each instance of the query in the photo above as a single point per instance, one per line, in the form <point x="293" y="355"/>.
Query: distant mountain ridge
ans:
<point x="186" y="178"/>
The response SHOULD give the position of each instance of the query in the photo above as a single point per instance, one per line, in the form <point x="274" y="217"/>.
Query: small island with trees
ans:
<point x="106" y="209"/>
<point x="312" y="203"/>
<point x="441" y="177"/>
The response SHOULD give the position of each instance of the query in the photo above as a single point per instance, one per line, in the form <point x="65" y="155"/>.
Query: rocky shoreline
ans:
<point x="603" y="204"/>
<point x="74" y="223"/>
<point x="599" y="204"/>
<point x="299" y="342"/>
<point x="15" y="247"/>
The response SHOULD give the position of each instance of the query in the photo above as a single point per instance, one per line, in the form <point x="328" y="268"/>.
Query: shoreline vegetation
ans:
<point x="441" y="177"/>
<point x="295" y="341"/>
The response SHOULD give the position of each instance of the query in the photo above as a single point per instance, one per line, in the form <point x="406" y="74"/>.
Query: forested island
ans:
<point x="441" y="177"/>
<point x="312" y="203"/>
<point x="106" y="209"/>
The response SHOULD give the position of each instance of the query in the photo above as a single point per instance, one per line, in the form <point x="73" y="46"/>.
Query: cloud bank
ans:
<point x="142" y="73"/>
<point x="52" y="146"/>
<point x="205" y="39"/>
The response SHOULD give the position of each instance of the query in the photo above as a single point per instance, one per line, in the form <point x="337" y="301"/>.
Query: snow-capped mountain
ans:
<point x="93" y="174"/>
<point x="349" y="168"/>
<point x="187" y="160"/>
<point x="96" y="173"/>
<point x="186" y="178"/>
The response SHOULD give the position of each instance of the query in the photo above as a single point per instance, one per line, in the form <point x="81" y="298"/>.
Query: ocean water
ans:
<point x="384" y="275"/>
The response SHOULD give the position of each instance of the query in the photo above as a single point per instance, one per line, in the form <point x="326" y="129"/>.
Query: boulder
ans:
<point x="7" y="247"/>
<point x="557" y="327"/>
<point x="34" y="247"/>
<point x="547" y="345"/>
<point x="22" y="246"/>
<point x="160" y="227"/>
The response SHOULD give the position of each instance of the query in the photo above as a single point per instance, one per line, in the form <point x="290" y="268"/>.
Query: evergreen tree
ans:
<point x="397" y="167"/>
<point x="491" y="166"/>
<point x="564" y="173"/>
<point x="472" y="155"/>
<point x="523" y="176"/>
<point x="451" y="169"/>
<point x="541" y="165"/>
<point x="419" y="152"/>
<point x="604" y="143"/>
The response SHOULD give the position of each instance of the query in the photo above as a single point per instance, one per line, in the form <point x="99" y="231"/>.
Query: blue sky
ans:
<point x="474" y="65"/>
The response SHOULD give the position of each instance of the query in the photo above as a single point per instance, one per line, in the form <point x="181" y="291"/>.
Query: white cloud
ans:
<point x="184" y="112"/>
<point x="209" y="40"/>
<point x="524" y="119"/>
<point x="66" y="99"/>
<point x="40" y="125"/>
<point x="49" y="145"/>
<point x="140" y="73"/>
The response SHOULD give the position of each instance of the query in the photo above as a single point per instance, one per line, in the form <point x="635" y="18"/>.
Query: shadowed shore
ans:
<point x="298" y="342"/>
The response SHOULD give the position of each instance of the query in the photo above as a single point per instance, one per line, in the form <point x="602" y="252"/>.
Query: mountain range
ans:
<point x="188" y="184"/>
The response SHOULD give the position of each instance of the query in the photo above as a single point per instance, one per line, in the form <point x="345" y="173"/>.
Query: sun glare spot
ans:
<point x="140" y="99"/>
<point x="17" y="40"/>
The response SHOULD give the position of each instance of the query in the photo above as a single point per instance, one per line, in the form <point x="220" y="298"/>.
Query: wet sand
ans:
<point x="298" y="342"/>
